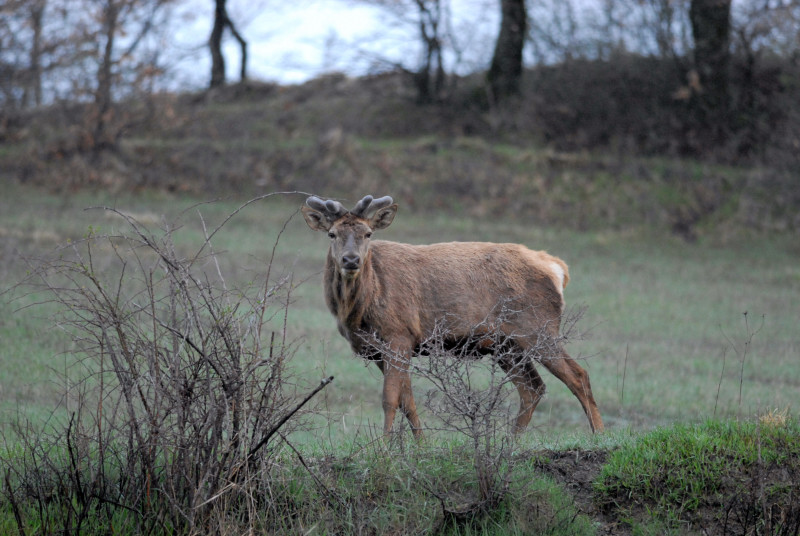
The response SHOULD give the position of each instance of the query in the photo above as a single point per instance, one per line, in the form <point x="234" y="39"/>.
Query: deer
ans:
<point x="400" y="294"/>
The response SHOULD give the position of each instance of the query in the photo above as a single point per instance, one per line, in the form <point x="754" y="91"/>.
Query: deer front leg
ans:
<point x="530" y="386"/>
<point x="397" y="392"/>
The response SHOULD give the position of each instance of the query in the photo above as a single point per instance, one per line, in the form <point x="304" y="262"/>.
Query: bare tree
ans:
<point x="24" y="44"/>
<point x="711" y="27"/>
<point x="429" y="19"/>
<point x="34" y="86"/>
<point x="430" y="77"/>
<point x="135" y="20"/>
<point x="554" y="31"/>
<point x="20" y="52"/>
<point x="111" y="14"/>
<point x="663" y="19"/>
<point x="439" y="50"/>
<point x="122" y="63"/>
<point x="505" y="72"/>
<point x="221" y="22"/>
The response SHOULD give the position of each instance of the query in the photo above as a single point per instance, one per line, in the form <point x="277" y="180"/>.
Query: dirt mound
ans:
<point x="756" y="499"/>
<point x="576" y="470"/>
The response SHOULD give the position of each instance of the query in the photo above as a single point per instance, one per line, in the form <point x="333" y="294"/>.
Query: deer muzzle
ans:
<point x="351" y="262"/>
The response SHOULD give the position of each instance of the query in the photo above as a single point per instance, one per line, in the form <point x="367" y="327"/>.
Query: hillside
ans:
<point x="338" y="136"/>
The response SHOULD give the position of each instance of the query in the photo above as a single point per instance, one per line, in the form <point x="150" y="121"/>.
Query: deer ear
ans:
<point x="315" y="219"/>
<point x="383" y="217"/>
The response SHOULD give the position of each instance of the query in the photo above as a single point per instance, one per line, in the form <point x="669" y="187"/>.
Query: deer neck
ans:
<point x="349" y="298"/>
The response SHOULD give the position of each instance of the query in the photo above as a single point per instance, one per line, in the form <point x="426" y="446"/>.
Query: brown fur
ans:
<point x="401" y="293"/>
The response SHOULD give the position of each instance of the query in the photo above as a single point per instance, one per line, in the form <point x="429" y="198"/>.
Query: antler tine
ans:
<point x="377" y="204"/>
<point x="335" y="208"/>
<point x="368" y="206"/>
<point x="332" y="209"/>
<point x="361" y="206"/>
<point x="316" y="203"/>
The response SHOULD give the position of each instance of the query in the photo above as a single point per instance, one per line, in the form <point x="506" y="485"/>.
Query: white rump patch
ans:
<point x="558" y="273"/>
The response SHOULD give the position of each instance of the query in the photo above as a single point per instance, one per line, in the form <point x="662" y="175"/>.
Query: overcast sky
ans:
<point x="291" y="42"/>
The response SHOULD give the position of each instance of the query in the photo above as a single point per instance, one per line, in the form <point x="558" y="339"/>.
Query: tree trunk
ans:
<point x="711" y="23"/>
<point x="104" y="75"/>
<point x="430" y="77"/>
<point x="221" y="21"/>
<point x="242" y="46"/>
<point x="34" y="82"/>
<point x="36" y="51"/>
<point x="506" y="69"/>
<point x="215" y="44"/>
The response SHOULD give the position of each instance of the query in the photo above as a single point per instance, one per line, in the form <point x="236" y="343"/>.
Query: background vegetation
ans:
<point x="680" y="234"/>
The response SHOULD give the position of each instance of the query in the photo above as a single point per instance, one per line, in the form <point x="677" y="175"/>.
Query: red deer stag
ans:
<point x="401" y="293"/>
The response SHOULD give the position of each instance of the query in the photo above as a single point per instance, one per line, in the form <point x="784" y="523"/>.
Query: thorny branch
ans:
<point x="179" y="351"/>
<point x="470" y="395"/>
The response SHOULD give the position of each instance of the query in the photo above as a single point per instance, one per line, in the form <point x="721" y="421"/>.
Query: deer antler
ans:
<point x="333" y="210"/>
<point x="368" y="206"/>
<point x="361" y="206"/>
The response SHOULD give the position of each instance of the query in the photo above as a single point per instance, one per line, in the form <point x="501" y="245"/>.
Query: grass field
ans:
<point x="666" y="341"/>
<point x="691" y="347"/>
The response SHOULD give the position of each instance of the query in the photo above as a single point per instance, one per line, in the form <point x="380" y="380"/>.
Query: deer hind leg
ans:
<point x="529" y="385"/>
<point x="576" y="379"/>
<point x="397" y="394"/>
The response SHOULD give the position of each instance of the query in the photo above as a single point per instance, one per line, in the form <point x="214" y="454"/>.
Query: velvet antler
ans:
<point x="369" y="206"/>
<point x="333" y="210"/>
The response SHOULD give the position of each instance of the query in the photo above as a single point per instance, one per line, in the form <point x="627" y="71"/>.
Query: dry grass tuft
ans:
<point x="775" y="418"/>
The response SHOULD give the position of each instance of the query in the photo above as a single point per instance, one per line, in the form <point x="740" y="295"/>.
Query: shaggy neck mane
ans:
<point x="348" y="299"/>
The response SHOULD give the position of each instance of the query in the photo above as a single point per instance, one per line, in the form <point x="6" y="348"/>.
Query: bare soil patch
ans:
<point x="576" y="470"/>
<point x="758" y="499"/>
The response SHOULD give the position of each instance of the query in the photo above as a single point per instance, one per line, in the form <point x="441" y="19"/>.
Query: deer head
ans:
<point x="349" y="231"/>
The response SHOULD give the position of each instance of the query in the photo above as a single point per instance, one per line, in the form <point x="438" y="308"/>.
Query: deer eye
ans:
<point x="331" y="235"/>
<point x="368" y="235"/>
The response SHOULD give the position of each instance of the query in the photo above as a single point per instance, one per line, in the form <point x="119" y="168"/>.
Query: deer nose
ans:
<point x="350" y="261"/>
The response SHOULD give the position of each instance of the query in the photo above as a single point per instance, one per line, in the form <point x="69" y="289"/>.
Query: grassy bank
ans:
<point x="667" y="342"/>
<point x="718" y="478"/>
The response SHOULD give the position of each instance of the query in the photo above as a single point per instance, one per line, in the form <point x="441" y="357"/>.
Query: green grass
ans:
<point x="664" y="317"/>
<point x="366" y="485"/>
<point x="391" y="489"/>
<point x="682" y="465"/>
<point x="668" y="344"/>
<point x="680" y="471"/>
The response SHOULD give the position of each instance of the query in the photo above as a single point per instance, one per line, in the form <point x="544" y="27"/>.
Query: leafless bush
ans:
<point x="182" y="384"/>
<point x="470" y="397"/>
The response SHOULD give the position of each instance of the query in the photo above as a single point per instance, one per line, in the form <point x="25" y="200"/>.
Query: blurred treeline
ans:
<point x="715" y="80"/>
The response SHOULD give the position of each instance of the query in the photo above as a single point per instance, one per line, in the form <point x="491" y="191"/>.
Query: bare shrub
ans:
<point x="471" y="398"/>
<point x="181" y="384"/>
